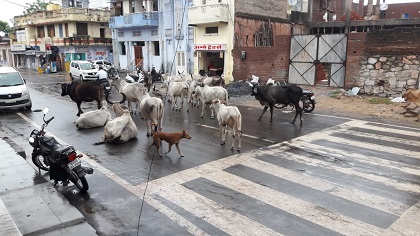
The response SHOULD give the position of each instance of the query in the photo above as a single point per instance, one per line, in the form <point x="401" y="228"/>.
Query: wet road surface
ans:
<point x="329" y="176"/>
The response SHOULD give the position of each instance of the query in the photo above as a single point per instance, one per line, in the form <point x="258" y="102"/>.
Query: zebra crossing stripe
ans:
<point x="305" y="210"/>
<point x="387" y="128"/>
<point x="365" y="133"/>
<point x="408" y="187"/>
<point x="213" y="212"/>
<point x="408" y="223"/>
<point x="372" y="146"/>
<point x="194" y="230"/>
<point x="322" y="150"/>
<point x="374" y="201"/>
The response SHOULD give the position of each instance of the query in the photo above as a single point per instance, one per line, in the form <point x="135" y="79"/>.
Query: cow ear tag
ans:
<point x="255" y="89"/>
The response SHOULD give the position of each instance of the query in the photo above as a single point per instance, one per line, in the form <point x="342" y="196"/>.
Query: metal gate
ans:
<point x="308" y="51"/>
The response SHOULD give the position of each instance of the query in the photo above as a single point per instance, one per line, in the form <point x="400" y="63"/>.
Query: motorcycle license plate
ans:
<point x="74" y="163"/>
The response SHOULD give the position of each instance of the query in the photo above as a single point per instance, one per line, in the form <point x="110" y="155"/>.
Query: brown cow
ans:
<point x="83" y="92"/>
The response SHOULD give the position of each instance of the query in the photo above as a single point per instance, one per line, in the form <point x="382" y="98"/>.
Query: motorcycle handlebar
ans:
<point x="48" y="121"/>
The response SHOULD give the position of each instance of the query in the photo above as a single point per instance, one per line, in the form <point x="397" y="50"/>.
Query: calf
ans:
<point x="228" y="116"/>
<point x="83" y="92"/>
<point x="93" y="119"/>
<point x="271" y="95"/>
<point x="132" y="91"/>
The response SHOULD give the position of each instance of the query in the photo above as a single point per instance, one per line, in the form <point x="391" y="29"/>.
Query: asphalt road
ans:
<point x="330" y="176"/>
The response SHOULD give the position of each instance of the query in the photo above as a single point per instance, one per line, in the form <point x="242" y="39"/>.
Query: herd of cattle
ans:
<point x="196" y="90"/>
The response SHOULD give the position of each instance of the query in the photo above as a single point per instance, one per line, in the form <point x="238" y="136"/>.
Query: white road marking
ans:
<point x="7" y="225"/>
<point x="170" y="188"/>
<point x="244" y="135"/>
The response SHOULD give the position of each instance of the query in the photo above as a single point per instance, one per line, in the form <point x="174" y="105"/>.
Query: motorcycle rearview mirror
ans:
<point x="45" y="110"/>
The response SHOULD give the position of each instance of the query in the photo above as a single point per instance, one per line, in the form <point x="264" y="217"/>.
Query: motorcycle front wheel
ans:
<point x="81" y="183"/>
<point x="308" y="104"/>
<point x="39" y="161"/>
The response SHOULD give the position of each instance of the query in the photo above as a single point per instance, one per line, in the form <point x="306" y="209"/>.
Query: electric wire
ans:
<point x="164" y="101"/>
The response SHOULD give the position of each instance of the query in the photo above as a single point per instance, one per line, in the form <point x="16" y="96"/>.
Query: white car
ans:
<point x="83" y="70"/>
<point x="13" y="90"/>
<point x="104" y="64"/>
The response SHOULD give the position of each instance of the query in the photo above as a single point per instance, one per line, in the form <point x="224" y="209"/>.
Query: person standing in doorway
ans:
<point x="383" y="8"/>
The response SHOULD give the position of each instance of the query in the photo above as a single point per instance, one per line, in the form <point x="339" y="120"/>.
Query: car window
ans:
<point x="86" y="66"/>
<point x="10" y="79"/>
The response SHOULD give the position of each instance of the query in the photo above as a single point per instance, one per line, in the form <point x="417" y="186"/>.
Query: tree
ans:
<point x="39" y="5"/>
<point x="4" y="27"/>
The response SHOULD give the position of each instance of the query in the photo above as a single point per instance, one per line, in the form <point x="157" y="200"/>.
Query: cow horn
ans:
<point x="106" y="98"/>
<point x="123" y="99"/>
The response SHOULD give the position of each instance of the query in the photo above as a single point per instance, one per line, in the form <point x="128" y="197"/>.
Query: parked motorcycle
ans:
<point x="62" y="162"/>
<point x="308" y="100"/>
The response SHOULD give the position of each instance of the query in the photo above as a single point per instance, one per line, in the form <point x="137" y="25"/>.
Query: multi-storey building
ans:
<point x="5" y="53"/>
<point x="58" y="35"/>
<point x="151" y="33"/>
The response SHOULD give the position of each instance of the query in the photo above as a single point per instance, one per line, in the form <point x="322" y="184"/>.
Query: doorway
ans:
<point x="138" y="56"/>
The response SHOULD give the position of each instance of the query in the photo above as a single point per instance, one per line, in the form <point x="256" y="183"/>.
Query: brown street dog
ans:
<point x="170" y="138"/>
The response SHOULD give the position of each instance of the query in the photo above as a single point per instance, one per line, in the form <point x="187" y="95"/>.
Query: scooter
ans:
<point x="62" y="162"/>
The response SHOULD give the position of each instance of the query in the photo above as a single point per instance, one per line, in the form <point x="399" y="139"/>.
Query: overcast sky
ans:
<point x="11" y="8"/>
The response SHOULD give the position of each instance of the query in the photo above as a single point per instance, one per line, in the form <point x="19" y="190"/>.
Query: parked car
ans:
<point x="83" y="70"/>
<point x="13" y="90"/>
<point x="104" y="64"/>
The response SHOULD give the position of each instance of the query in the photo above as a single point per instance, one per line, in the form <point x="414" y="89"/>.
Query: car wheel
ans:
<point x="29" y="107"/>
<point x="81" y="78"/>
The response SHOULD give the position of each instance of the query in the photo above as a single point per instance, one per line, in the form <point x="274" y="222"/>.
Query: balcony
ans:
<point x="144" y="19"/>
<point x="206" y="14"/>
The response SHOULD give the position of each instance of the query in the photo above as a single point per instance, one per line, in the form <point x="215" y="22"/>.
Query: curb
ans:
<point x="19" y="150"/>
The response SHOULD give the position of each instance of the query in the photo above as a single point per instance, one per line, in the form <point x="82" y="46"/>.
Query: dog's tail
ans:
<point x="154" y="127"/>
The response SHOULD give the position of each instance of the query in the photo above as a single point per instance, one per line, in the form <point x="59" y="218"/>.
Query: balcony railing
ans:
<point x="144" y="19"/>
<point x="206" y="14"/>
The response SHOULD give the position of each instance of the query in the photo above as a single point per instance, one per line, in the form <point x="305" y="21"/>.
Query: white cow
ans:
<point x="121" y="129"/>
<point x="95" y="118"/>
<point x="132" y="91"/>
<point x="151" y="108"/>
<point x="228" y="116"/>
<point x="208" y="94"/>
<point x="177" y="89"/>
<point x="193" y="96"/>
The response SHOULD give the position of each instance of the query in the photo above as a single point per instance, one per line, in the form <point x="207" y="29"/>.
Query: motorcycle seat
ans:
<point x="50" y="143"/>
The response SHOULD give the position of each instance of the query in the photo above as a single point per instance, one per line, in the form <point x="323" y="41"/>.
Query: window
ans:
<point x="66" y="30"/>
<point x="51" y="31"/>
<point x="81" y="29"/>
<point x="40" y="31"/>
<point x="102" y="32"/>
<point x="212" y="30"/>
<point x="122" y="48"/>
<point x="203" y="2"/>
<point x="156" y="47"/>
<point x="180" y="58"/>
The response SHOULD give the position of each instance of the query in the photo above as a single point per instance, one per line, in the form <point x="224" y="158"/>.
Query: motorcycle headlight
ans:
<point x="31" y="140"/>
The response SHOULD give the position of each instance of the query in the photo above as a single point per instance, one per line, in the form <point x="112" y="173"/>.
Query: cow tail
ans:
<point x="239" y="122"/>
<point x="99" y="143"/>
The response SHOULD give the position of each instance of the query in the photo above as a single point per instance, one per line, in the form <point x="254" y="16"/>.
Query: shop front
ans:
<point x="210" y="58"/>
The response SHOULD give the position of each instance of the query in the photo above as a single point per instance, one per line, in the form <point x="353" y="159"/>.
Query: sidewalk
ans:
<point x="29" y="204"/>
